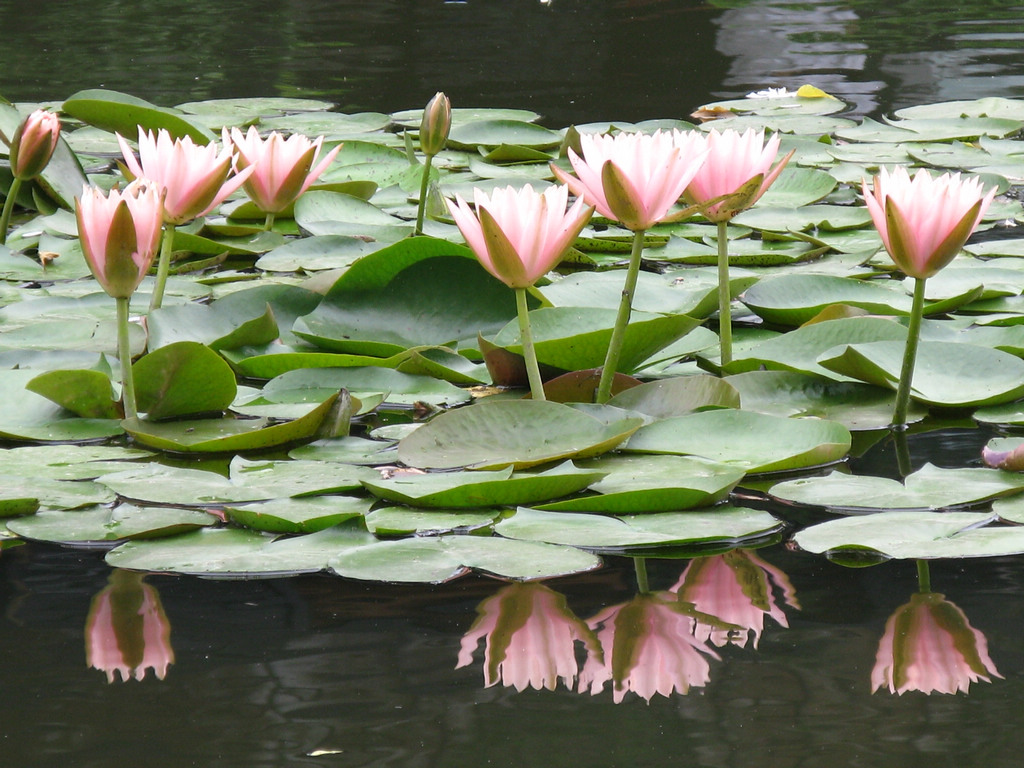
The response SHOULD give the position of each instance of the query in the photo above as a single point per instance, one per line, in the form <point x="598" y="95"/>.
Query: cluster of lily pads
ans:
<point x="338" y="394"/>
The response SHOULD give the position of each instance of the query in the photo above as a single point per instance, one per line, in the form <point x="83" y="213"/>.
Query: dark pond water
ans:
<point x="324" y="672"/>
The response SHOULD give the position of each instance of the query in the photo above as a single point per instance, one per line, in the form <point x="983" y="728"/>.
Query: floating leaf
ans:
<point x="102" y="526"/>
<point x="520" y="433"/>
<point x="298" y="515"/>
<point x="185" y="378"/>
<point x="125" y="114"/>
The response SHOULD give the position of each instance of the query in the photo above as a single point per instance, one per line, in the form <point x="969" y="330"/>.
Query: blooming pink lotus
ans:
<point x="195" y="177"/>
<point x="925" y="221"/>
<point x="282" y="168"/>
<point x="530" y="638"/>
<point x="929" y="646"/>
<point x="120" y="232"/>
<point x="739" y="165"/>
<point x="649" y="647"/>
<point x="33" y="144"/>
<point x="127" y="632"/>
<point x="737" y="588"/>
<point x="520" y="235"/>
<point x="634" y="178"/>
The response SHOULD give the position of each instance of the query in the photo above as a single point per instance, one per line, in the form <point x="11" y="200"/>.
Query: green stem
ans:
<point x="5" y="217"/>
<point x="163" y="268"/>
<point x="902" y="452"/>
<point x="268" y="223"/>
<point x="640" y="566"/>
<point x="924" y="577"/>
<point x="529" y="353"/>
<point x="424" y="183"/>
<point x="899" y="416"/>
<point x="611" y="360"/>
<point x="724" y="296"/>
<point x="124" y="356"/>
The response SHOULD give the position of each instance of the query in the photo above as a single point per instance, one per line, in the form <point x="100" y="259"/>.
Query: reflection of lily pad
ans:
<point x="521" y="433"/>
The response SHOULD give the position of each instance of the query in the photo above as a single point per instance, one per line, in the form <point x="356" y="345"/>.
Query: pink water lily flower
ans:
<point x="195" y="177"/>
<point x="734" y="159"/>
<point x="282" y="168"/>
<point x="33" y="144"/>
<point x="925" y="221"/>
<point x="929" y="646"/>
<point x="520" y="235"/>
<point x="120" y="233"/>
<point x="634" y="178"/>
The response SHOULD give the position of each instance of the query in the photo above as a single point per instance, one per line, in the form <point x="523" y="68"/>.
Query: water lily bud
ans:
<point x="436" y="124"/>
<point x="33" y="144"/>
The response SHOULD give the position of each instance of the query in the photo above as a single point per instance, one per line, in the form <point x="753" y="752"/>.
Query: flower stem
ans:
<point x="124" y="356"/>
<point x="5" y="217"/>
<point x="268" y="223"/>
<point x="424" y="183"/>
<point x="724" y="296"/>
<point x="163" y="268"/>
<point x="640" y="567"/>
<point x="529" y="353"/>
<point x="611" y="360"/>
<point x="924" y="577"/>
<point x="899" y="416"/>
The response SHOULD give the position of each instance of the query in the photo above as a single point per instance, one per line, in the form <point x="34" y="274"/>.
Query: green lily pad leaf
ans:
<point x="315" y="207"/>
<point x="755" y="442"/>
<point x="17" y="491"/>
<point x="159" y="484"/>
<point x="403" y="521"/>
<point x="329" y="124"/>
<point x="493" y="133"/>
<point x="239" y="553"/>
<point x="298" y="515"/>
<point x="946" y="374"/>
<point x="435" y="560"/>
<point x="649" y="484"/>
<point x="219" y="325"/>
<point x="69" y="462"/>
<point x="183" y="379"/>
<point x="915" y="535"/>
<point x="795" y="299"/>
<point x="576" y="338"/>
<point x="277" y="479"/>
<point x="929" y="488"/>
<point x="531" y="433"/>
<point x="228" y="435"/>
<point x="1010" y="414"/>
<point x="989" y="106"/>
<point x="779" y="219"/>
<point x="311" y="254"/>
<point x="125" y="114"/>
<point x="88" y="394"/>
<point x="26" y="416"/>
<point x="347" y="450"/>
<point x="796" y="187"/>
<point x="460" y="490"/>
<point x="416" y="308"/>
<point x="716" y="525"/>
<point x="676" y="396"/>
<point x="102" y="526"/>
<point x="396" y="387"/>
<point x="286" y="302"/>
<point x="800" y="349"/>
<point x="786" y="393"/>
<point x="411" y="118"/>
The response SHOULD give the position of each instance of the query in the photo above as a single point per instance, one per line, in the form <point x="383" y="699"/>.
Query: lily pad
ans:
<point x="915" y="535"/>
<point x="715" y="525"/>
<point x="185" y="378"/>
<point x="26" y="416"/>
<point x="298" y="515"/>
<point x="403" y="521"/>
<point x="103" y="527"/>
<point x="755" y="442"/>
<point x="520" y="433"/>
<point x="929" y="488"/>
<point x="677" y="396"/>
<point x="125" y="114"/>
<point x="459" y="490"/>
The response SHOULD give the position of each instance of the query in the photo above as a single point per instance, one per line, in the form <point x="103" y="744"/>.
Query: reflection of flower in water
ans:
<point x="649" y="647"/>
<point x="736" y="587"/>
<point x="929" y="646"/>
<point x="530" y="637"/>
<point x="127" y="632"/>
